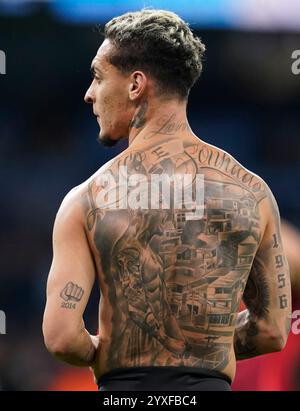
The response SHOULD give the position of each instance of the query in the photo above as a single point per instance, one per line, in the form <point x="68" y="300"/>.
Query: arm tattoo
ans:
<point x="71" y="294"/>
<point x="257" y="299"/>
<point x="243" y="339"/>
<point x="256" y="294"/>
<point x="275" y="245"/>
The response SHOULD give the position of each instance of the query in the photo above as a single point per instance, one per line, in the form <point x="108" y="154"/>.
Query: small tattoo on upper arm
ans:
<point x="281" y="280"/>
<point x="68" y="305"/>
<point x="279" y="261"/>
<point x="71" y="293"/>
<point x="283" y="301"/>
<point x="275" y="245"/>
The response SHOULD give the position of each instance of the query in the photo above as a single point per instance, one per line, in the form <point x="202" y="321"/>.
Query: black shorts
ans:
<point x="163" y="378"/>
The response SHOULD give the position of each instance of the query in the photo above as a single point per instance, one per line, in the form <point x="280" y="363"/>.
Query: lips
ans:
<point x="97" y="116"/>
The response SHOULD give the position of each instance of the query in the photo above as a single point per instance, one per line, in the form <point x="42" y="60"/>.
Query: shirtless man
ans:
<point x="175" y="230"/>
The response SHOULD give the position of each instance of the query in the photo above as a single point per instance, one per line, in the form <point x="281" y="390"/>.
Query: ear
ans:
<point x="137" y="85"/>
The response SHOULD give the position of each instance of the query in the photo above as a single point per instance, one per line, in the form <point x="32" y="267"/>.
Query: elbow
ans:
<point x="58" y="347"/>
<point x="277" y="344"/>
<point x="275" y="341"/>
<point x="279" y="332"/>
<point x="58" y="342"/>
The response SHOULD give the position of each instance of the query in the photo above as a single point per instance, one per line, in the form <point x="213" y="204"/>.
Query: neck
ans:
<point x="159" y="119"/>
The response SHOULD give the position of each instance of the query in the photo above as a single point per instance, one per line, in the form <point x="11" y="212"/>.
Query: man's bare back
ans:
<point x="171" y="287"/>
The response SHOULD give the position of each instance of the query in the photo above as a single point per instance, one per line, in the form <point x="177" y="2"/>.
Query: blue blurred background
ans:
<point x="246" y="102"/>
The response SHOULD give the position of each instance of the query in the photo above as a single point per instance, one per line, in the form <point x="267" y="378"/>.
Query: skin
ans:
<point x="291" y="241"/>
<point x="166" y="299"/>
<point x="118" y="100"/>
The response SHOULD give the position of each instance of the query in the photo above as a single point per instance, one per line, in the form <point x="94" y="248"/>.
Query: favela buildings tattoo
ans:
<point x="175" y="281"/>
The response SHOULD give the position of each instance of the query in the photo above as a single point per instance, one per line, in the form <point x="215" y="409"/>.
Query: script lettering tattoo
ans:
<point x="227" y="165"/>
<point x="169" y="126"/>
<point x="174" y="284"/>
<point x="160" y="153"/>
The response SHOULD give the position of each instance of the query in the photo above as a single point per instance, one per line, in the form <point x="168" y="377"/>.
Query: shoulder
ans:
<point x="223" y="163"/>
<point x="233" y="171"/>
<point x="266" y="201"/>
<point x="72" y="200"/>
<point x="80" y="199"/>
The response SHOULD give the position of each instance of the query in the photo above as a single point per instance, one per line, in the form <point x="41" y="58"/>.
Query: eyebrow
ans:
<point x="94" y="69"/>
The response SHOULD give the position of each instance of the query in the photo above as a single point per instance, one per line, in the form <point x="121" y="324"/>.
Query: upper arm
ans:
<point x="72" y="273"/>
<point x="267" y="294"/>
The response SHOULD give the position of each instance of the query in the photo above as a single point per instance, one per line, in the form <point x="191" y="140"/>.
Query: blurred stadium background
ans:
<point x="247" y="102"/>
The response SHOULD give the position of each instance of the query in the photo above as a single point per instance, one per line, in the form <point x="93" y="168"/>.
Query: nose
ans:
<point x="89" y="96"/>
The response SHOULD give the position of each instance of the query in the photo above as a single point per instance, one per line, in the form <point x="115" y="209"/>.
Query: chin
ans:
<point x="107" y="141"/>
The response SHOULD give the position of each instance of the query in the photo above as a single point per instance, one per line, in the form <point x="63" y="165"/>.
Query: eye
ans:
<point x="95" y="77"/>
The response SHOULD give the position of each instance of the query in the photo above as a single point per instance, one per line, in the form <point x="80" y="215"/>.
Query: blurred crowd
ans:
<point x="246" y="102"/>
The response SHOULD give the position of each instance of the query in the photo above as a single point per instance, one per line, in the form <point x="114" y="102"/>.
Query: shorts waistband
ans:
<point x="174" y="370"/>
